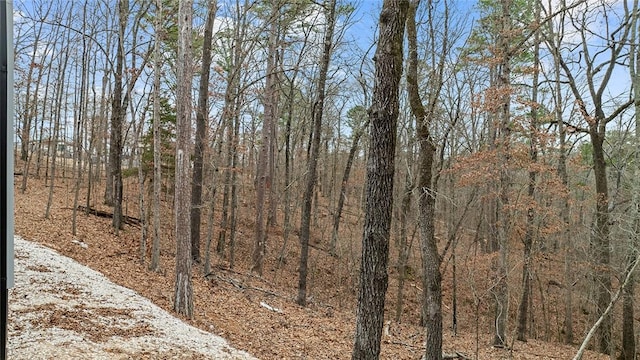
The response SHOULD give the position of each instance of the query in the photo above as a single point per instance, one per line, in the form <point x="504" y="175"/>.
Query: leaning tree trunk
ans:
<point x="383" y="114"/>
<point x="425" y="186"/>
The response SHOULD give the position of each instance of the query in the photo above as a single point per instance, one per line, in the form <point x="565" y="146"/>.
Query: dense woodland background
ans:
<point x="477" y="165"/>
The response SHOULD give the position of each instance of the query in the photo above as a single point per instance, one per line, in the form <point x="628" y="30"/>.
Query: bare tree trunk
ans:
<point x="312" y="164"/>
<point x="526" y="300"/>
<point x="288" y="160"/>
<point x="210" y="223"/>
<point x="154" y="265"/>
<point x="503" y="84"/>
<point x="343" y="187"/>
<point x="92" y="137"/>
<point x="600" y="241"/>
<point x="183" y="303"/>
<point x="59" y="96"/>
<point x="628" y="313"/>
<point x="228" y="118"/>
<point x="426" y="184"/>
<point x="118" y="111"/>
<point x="262" y="179"/>
<point x="201" y="126"/>
<point x="383" y="113"/>
<point x="607" y="310"/>
<point x="593" y="111"/>
<point x="43" y="116"/>
<point x="78" y="128"/>
<point x="31" y="109"/>
<point x="234" y="185"/>
<point x="403" y="246"/>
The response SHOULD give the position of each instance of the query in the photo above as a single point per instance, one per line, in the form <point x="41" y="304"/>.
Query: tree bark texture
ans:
<point x="383" y="115"/>
<point x="600" y="241"/>
<point x="183" y="303"/>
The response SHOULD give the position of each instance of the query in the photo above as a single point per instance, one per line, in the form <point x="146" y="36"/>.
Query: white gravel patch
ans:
<point x="61" y="309"/>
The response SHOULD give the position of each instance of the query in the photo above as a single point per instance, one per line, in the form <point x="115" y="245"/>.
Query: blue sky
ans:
<point x="367" y="12"/>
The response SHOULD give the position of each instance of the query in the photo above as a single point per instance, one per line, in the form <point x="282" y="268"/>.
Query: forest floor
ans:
<point x="259" y="314"/>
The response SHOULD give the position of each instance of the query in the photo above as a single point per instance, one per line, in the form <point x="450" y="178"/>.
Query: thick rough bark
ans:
<point x="383" y="114"/>
<point x="183" y="303"/>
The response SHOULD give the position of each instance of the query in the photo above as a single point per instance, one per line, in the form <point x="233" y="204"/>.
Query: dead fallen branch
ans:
<point x="129" y="220"/>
